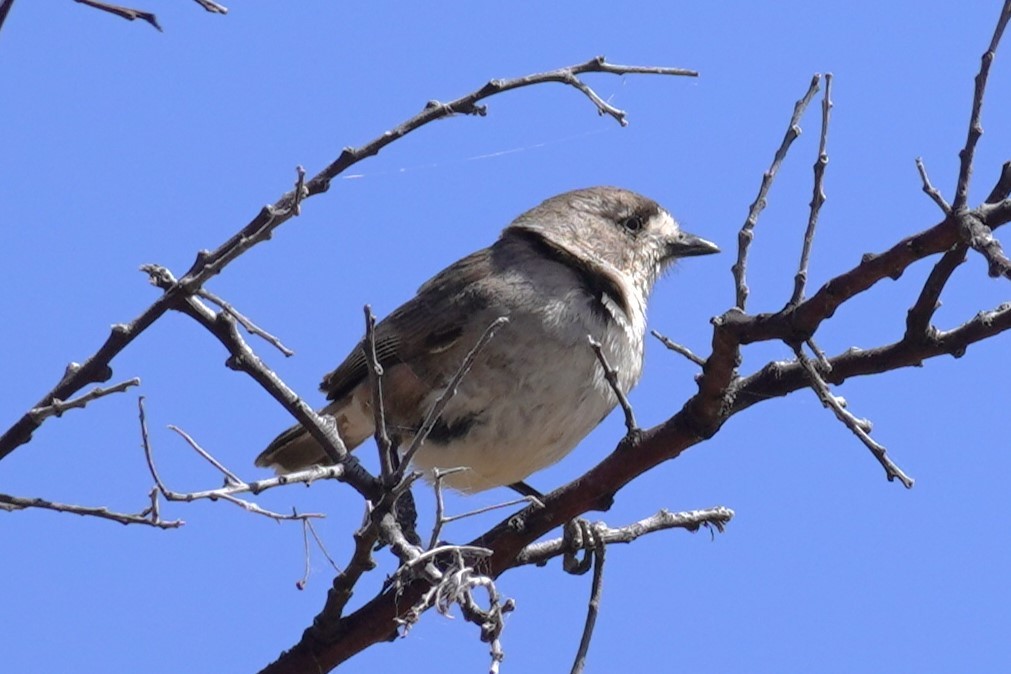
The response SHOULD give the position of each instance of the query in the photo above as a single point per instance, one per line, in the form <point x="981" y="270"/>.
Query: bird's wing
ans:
<point x="431" y="322"/>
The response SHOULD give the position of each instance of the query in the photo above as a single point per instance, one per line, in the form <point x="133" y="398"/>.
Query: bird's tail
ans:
<point x="293" y="450"/>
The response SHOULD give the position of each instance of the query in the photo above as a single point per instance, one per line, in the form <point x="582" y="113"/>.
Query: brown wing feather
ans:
<point x="430" y="321"/>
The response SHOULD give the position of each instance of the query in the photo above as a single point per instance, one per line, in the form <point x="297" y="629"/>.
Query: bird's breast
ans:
<point x="535" y="391"/>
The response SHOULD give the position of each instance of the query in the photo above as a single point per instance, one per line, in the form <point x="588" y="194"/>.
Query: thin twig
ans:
<point x="677" y="348"/>
<point x="746" y="234"/>
<point x="308" y="528"/>
<point x="717" y="517"/>
<point x="611" y="375"/>
<point x="440" y="505"/>
<point x="375" y="378"/>
<point x="5" y="8"/>
<point x="250" y="327"/>
<point x="593" y="608"/>
<point x="212" y="7"/>
<point x="123" y="12"/>
<point x="149" y="516"/>
<point x="300" y="191"/>
<point x="304" y="580"/>
<point x="967" y="153"/>
<point x="823" y="361"/>
<point x="230" y="477"/>
<point x="57" y="407"/>
<point x="858" y="426"/>
<point x="930" y="190"/>
<point x="226" y="493"/>
<point x="319" y="542"/>
<point x="817" y="197"/>
<point x="447" y="394"/>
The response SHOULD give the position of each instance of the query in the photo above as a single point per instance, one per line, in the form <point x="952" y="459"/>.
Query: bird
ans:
<point x="580" y="265"/>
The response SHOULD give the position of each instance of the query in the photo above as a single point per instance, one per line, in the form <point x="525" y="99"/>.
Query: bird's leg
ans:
<point x="523" y="489"/>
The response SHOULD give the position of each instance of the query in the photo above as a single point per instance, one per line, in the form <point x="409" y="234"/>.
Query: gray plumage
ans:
<point x="581" y="263"/>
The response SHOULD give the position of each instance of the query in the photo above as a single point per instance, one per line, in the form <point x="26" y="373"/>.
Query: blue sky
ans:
<point x="125" y="146"/>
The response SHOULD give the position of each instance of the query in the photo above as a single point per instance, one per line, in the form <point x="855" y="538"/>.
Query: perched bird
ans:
<point x="581" y="264"/>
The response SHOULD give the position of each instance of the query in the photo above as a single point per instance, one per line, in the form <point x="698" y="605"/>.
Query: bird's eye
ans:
<point x="633" y="223"/>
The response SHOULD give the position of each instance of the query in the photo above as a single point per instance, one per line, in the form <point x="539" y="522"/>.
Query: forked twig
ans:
<point x="746" y="235"/>
<point x="149" y="516"/>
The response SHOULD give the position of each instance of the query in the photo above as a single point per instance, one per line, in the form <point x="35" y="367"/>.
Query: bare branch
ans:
<point x="975" y="129"/>
<point x="5" y="8"/>
<point x="860" y="427"/>
<point x="929" y="188"/>
<point x="598" y="548"/>
<point x="123" y="12"/>
<point x="149" y="516"/>
<point x="746" y="234"/>
<point x="677" y="348"/>
<point x="308" y="528"/>
<point x="611" y="375"/>
<point x="820" y="355"/>
<point x="922" y="312"/>
<point x="250" y="327"/>
<point x="375" y="377"/>
<point x="230" y="477"/>
<point x="57" y="407"/>
<point x="817" y="198"/>
<point x="692" y="520"/>
<point x="441" y="519"/>
<point x="1002" y="189"/>
<point x="980" y="238"/>
<point x="235" y="484"/>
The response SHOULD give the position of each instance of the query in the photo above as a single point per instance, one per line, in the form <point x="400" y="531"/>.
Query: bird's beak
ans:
<point x="689" y="245"/>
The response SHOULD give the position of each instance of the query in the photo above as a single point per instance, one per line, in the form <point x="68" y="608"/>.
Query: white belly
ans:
<point x="537" y="390"/>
